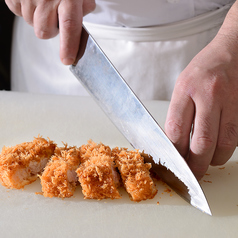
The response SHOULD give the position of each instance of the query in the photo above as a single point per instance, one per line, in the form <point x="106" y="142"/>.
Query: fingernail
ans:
<point x="68" y="61"/>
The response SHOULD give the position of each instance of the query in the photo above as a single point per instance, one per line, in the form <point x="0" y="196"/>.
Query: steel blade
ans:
<point x="121" y="105"/>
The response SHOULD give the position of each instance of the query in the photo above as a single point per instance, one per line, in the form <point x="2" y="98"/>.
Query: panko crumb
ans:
<point x="207" y="181"/>
<point x="97" y="172"/>
<point x="135" y="174"/>
<point x="21" y="164"/>
<point x="59" y="178"/>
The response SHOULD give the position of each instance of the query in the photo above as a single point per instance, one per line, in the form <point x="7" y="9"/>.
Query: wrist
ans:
<point x="229" y="29"/>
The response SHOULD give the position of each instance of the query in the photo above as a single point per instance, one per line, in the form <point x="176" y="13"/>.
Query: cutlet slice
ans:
<point x="97" y="173"/>
<point x="59" y="178"/>
<point x="135" y="174"/>
<point x="21" y="164"/>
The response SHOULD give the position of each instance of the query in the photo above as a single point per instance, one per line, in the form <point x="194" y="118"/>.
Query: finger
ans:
<point x="45" y="20"/>
<point x="28" y="9"/>
<point x="204" y="138"/>
<point x="15" y="7"/>
<point x="70" y="25"/>
<point x="88" y="6"/>
<point x="179" y="121"/>
<point x="227" y="139"/>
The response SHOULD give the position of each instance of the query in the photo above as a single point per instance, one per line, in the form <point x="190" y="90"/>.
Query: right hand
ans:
<point x="46" y="15"/>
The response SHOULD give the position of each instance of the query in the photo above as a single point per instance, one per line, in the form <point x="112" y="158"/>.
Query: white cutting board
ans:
<point x="75" y="120"/>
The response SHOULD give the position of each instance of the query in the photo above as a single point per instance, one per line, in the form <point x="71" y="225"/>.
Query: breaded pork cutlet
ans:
<point x="135" y="174"/>
<point x="59" y="178"/>
<point x="21" y="164"/>
<point x="97" y="173"/>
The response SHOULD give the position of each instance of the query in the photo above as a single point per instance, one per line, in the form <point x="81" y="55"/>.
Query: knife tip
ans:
<point x="208" y="212"/>
<point x="205" y="208"/>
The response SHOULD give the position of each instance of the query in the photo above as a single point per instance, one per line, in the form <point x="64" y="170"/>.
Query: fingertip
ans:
<point x="45" y="34"/>
<point x="199" y="177"/>
<point x="219" y="162"/>
<point x="198" y="166"/>
<point x="88" y="6"/>
<point x="67" y="61"/>
<point x="198" y="172"/>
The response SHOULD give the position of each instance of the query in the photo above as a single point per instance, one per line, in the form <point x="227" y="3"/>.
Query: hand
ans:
<point x="46" y="15"/>
<point x="205" y="99"/>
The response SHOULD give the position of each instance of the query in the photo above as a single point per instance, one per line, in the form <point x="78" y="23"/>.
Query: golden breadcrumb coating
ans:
<point x="59" y="178"/>
<point x="97" y="173"/>
<point x="20" y="164"/>
<point x="92" y="148"/>
<point x="94" y="165"/>
<point x="135" y="174"/>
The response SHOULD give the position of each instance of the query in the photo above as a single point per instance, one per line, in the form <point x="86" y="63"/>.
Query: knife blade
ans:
<point x="98" y="75"/>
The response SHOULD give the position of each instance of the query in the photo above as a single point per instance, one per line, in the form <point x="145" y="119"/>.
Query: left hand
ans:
<point x="205" y="100"/>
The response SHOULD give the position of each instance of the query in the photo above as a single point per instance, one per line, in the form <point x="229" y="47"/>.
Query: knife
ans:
<point x="98" y="75"/>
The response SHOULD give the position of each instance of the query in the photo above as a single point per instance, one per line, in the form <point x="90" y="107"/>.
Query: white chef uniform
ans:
<point x="150" y="43"/>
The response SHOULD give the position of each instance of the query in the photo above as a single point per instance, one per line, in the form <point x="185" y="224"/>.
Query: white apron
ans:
<point x="150" y="59"/>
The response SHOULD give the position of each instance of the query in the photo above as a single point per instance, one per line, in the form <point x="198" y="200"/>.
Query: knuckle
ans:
<point x="70" y="24"/>
<point x="204" y="137"/>
<point x="214" y="84"/>
<point x="225" y="144"/>
<point x="231" y="131"/>
<point x="178" y="137"/>
<point x="221" y="157"/>
<point x="229" y="140"/>
<point x="205" y="142"/>
<point x="174" y="130"/>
